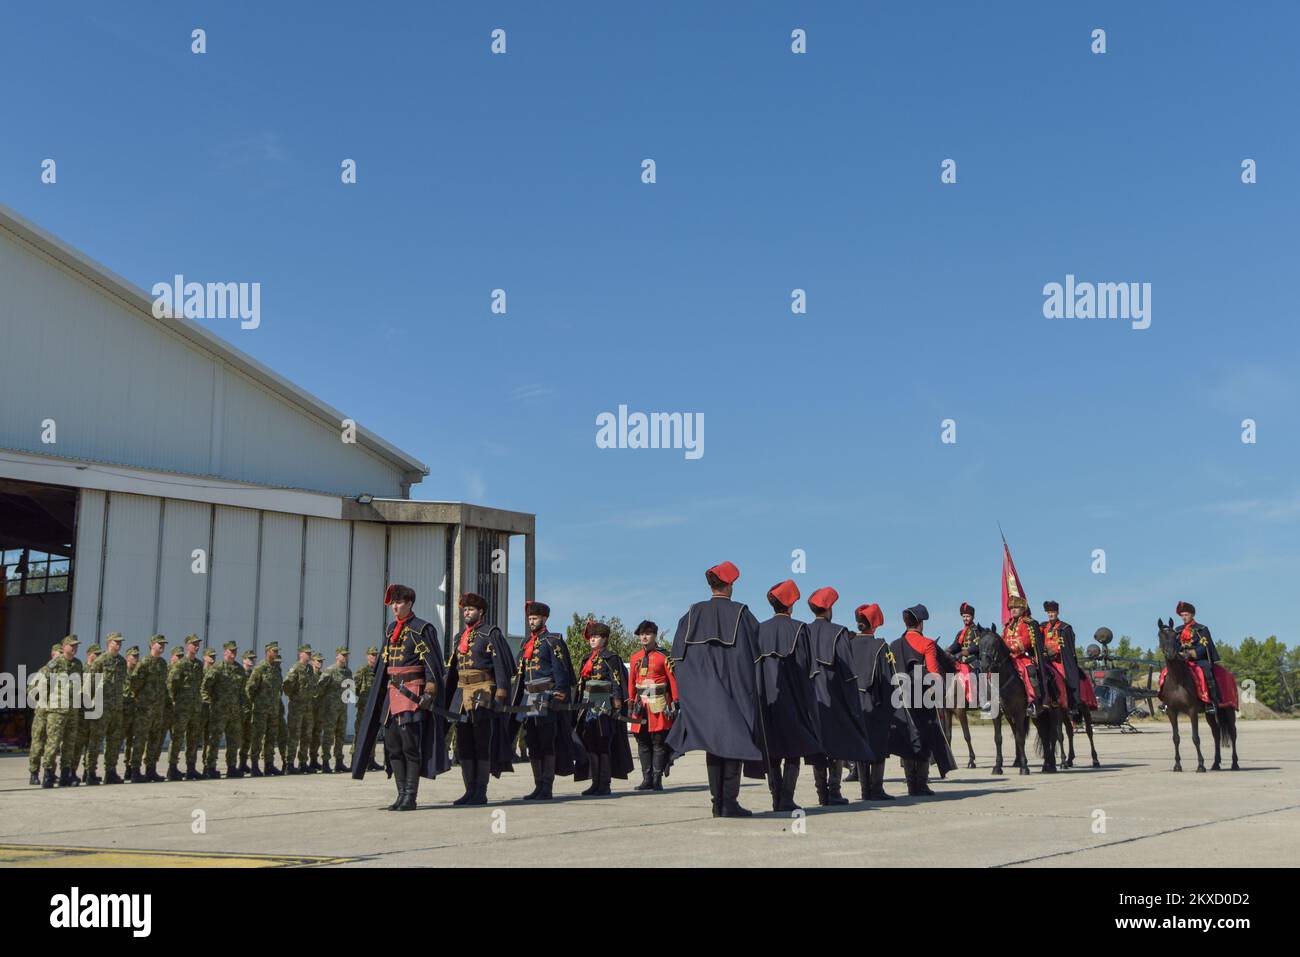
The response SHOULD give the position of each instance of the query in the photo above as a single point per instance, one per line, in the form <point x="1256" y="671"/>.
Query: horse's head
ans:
<point x="1170" y="646"/>
<point x="992" y="649"/>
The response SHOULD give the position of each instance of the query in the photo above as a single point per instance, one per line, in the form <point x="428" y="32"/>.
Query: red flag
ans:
<point x="1011" y="586"/>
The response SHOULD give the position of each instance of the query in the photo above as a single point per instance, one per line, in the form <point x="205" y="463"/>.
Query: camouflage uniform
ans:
<point x="128" y="707"/>
<point x="184" y="683"/>
<point x="299" y="688"/>
<point x="106" y="733"/>
<point x="63" y="717"/>
<point x="149" y="690"/>
<point x="223" y="695"/>
<point x="334" y="711"/>
<point x="37" y="684"/>
<point x="263" y="690"/>
<point x="209" y="661"/>
<point x="246" y="711"/>
<point x="364" y="677"/>
<point x="313" y="742"/>
<point x="84" y="726"/>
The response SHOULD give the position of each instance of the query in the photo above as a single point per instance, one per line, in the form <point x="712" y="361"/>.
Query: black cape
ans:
<point x="783" y="674"/>
<point x="620" y="752"/>
<point x="889" y="726"/>
<point x="433" y="728"/>
<point x="565" y="742"/>
<point x="839" y="708"/>
<point x="934" y="745"/>
<point x="713" y="655"/>
<point x="503" y="742"/>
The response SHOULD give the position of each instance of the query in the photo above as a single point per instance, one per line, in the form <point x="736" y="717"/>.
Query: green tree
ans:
<point x="1261" y="662"/>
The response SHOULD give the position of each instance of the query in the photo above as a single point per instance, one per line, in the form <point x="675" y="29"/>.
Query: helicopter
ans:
<point x="1118" y="700"/>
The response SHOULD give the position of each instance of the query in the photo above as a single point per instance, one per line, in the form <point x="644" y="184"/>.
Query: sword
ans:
<point x="440" y="711"/>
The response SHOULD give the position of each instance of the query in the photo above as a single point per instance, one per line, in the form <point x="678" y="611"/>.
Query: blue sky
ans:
<point x="775" y="172"/>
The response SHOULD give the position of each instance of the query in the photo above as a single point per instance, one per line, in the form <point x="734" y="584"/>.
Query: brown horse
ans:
<point x="1067" y="761"/>
<point x="955" y="700"/>
<point x="1179" y="696"/>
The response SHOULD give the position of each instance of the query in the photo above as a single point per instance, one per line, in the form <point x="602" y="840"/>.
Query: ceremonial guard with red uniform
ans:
<point x="713" y="655"/>
<point x="918" y="656"/>
<point x="889" y="727"/>
<point x="1058" y="642"/>
<point x="652" y="705"/>
<point x="1198" y="649"/>
<point x="1024" y="639"/>
<point x="786" y="698"/>
<point x="544" y="688"/>
<point x="966" y="653"/>
<point x="601" y="683"/>
<point x="479" y="680"/>
<point x="841" y="726"/>
<point x="407" y="682"/>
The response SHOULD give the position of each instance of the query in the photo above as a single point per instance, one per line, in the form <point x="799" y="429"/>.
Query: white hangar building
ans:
<point x="168" y="440"/>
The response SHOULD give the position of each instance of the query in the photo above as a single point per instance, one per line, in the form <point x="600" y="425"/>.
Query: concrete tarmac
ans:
<point x="1132" y="811"/>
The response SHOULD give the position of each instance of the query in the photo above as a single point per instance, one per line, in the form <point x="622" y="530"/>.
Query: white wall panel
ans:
<point x="417" y="556"/>
<point x="183" y="595"/>
<point x="233" y="567"/>
<point x="325" y="586"/>
<point x="131" y="567"/>
<point x="88" y="566"/>
<point x="281" y="583"/>
<point x="368" y="613"/>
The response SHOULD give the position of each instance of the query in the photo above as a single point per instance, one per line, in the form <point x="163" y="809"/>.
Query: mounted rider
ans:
<point x="1198" y="648"/>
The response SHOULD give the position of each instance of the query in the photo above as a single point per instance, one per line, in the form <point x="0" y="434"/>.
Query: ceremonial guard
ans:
<point x="601" y="683"/>
<point x="889" y="727"/>
<point x="479" y="680"/>
<point x="542" y="702"/>
<point x="1058" y="643"/>
<point x="713" y="656"/>
<point x="966" y="653"/>
<point x="786" y="697"/>
<point x="843" y="730"/>
<point x="263" y="690"/>
<point x="149" y="690"/>
<point x="404" y="699"/>
<point x="1199" y="650"/>
<point x="652" y="705"/>
<point x="1024" y="639"/>
<point x="918" y="657"/>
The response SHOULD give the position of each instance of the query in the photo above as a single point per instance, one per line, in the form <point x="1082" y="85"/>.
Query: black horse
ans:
<point x="1179" y="696"/>
<point x="1013" y="703"/>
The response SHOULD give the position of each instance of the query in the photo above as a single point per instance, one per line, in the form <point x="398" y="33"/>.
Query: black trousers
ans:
<point x="402" y="746"/>
<point x="539" y="735"/>
<point x="650" y="744"/>
<point x="474" y="738"/>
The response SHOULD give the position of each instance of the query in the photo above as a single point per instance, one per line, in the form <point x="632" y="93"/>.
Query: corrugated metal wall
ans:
<point x="183" y="593"/>
<point x="189" y="413"/>
<point x="417" y="556"/>
<point x="232" y="605"/>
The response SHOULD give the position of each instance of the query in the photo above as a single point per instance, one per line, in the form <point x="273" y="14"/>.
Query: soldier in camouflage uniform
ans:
<point x="63" y="716"/>
<point x="209" y="661"/>
<point x="313" y="734"/>
<point x="149" y="691"/>
<point x="365" y="677"/>
<point x="223" y="694"/>
<point x="174" y="658"/>
<point x="128" y="709"/>
<point x="84" y="725"/>
<point x="106" y="732"/>
<point x="263" y="690"/>
<point x="299" y="688"/>
<point x="184" y="685"/>
<point x="246" y="711"/>
<point x="37" y="690"/>
<point x="334" y="710"/>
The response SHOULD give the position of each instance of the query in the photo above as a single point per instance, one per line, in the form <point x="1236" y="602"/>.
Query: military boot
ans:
<point x="290" y="768"/>
<point x="339" y="766"/>
<point x="548" y="778"/>
<point x="646" y="755"/>
<point x="92" y="779"/>
<point x="594" y="789"/>
<point x="467" y="775"/>
<point x="152" y="776"/>
<point x="922" y="779"/>
<point x="112" y="777"/>
<point x="132" y="775"/>
<point x="863" y="771"/>
<point x="211" y="772"/>
<point x="877" y="791"/>
<point x="412" y="787"/>
<point x="833" y="773"/>
<point x="536" y="792"/>
<point x="192" y="773"/>
<point x="47" y="781"/>
<point x="174" y="773"/>
<point x="65" y="778"/>
<point x="255" y="771"/>
<point x="271" y="770"/>
<point x="789" y="780"/>
<point x="731" y="791"/>
<point x="399" y="778"/>
<point x="819" y="782"/>
<point x="234" y="771"/>
<point x="714" y="768"/>
<point x="854" y="773"/>
<point x="315" y="766"/>
<point x="243" y="766"/>
<point x="482" y="770"/>
<point x="34" y="778"/>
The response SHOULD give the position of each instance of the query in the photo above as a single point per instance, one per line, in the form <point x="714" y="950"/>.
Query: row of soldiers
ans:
<point x="128" y="702"/>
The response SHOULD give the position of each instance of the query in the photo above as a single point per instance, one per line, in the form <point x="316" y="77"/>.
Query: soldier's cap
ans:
<point x="231" y="646"/>
<point x="372" y="650"/>
<point x="725" y="572"/>
<point x="94" y="650"/>
<point x="915" y="615"/>
<point x="306" y="648"/>
<point x="596" y="628"/>
<point x="471" y="600"/>
<point x="193" y="640"/>
<point x="209" y="653"/>
<point x="158" y="640"/>
<point x="823" y="598"/>
<point x="57" y="646"/>
<point x="966" y="609"/>
<point x="342" y="650"/>
<point x="1016" y="601"/>
<point x="1051" y="606"/>
<point x="71" y="640"/>
<point x="786" y="592"/>
<point x="177" y="651"/>
<point x="250" y="655"/>
<point x="272" y="646"/>
<point x="1185" y="606"/>
<point x="114" y="636"/>
<point x="133" y="650"/>
<point x="871" y="614"/>
<point x="317" y="656"/>
<point x="537" y="608"/>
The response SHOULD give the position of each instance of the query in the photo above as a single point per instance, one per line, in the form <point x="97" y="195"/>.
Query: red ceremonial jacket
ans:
<point x="651" y="667"/>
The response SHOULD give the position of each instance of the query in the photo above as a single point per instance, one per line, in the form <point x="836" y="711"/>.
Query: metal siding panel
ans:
<point x="183" y="595"/>
<point x="367" y="615"/>
<point x="325" y="586"/>
<point x="131" y="566"/>
<point x="88" y="565"/>
<point x="417" y="556"/>
<point x="233" y="567"/>
<point x="281" y="583"/>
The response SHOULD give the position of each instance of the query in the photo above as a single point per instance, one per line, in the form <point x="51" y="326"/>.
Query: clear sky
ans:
<point x="775" y="171"/>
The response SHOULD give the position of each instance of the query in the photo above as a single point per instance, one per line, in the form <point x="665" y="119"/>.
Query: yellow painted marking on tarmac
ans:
<point x="40" y="855"/>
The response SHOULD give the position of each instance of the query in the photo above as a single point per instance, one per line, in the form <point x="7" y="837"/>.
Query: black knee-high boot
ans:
<point x="731" y="791"/>
<point x="713" y="765"/>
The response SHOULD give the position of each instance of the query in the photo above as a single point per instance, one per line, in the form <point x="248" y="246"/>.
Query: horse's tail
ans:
<point x="1047" y="728"/>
